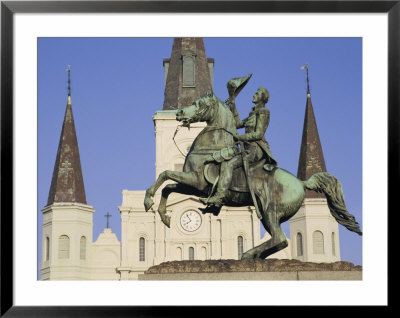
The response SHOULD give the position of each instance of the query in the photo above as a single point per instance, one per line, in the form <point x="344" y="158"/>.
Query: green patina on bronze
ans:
<point x="248" y="175"/>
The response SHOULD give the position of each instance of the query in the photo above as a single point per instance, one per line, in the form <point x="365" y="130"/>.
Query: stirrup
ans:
<point x="218" y="198"/>
<point x="206" y="201"/>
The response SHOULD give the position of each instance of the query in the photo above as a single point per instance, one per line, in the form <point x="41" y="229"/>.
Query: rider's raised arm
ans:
<point x="231" y="103"/>
<point x="239" y="123"/>
<point x="261" y="127"/>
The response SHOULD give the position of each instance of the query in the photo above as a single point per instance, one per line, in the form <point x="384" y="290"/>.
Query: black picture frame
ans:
<point x="8" y="8"/>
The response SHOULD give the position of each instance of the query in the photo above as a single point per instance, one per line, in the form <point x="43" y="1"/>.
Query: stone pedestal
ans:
<point x="270" y="269"/>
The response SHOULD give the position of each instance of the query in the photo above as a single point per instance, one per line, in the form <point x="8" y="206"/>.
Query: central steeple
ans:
<point x="188" y="73"/>
<point x="67" y="182"/>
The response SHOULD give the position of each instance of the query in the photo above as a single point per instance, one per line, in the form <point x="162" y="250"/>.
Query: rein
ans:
<point x="205" y="130"/>
<point x="173" y="138"/>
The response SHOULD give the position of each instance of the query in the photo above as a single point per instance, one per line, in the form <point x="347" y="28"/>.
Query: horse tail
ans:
<point x="331" y="187"/>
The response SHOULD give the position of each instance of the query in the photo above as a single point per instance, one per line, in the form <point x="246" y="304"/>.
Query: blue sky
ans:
<point x="118" y="85"/>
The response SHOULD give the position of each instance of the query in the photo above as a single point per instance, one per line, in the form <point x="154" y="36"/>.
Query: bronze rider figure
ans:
<point x="256" y="147"/>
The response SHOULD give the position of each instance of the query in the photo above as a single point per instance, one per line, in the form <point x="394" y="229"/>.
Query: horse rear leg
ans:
<point x="277" y="241"/>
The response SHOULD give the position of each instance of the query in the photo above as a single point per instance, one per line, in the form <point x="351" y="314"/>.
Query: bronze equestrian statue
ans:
<point x="253" y="177"/>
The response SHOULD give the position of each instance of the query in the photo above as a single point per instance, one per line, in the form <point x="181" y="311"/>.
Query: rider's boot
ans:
<point x="225" y="177"/>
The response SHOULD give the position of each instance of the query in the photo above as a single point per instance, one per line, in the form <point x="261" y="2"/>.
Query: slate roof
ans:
<point x="176" y="96"/>
<point x="311" y="159"/>
<point x="67" y="182"/>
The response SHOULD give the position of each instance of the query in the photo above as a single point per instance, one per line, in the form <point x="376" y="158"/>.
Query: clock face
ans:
<point x="190" y="220"/>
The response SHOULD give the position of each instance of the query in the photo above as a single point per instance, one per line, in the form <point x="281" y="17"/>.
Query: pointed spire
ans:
<point x="67" y="182"/>
<point x="311" y="159"/>
<point x="188" y="73"/>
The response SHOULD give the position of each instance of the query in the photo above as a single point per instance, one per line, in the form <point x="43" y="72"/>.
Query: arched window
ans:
<point x="299" y="242"/>
<point x="318" y="242"/>
<point x="203" y="253"/>
<point x="179" y="253"/>
<point x="191" y="253"/>
<point x="47" y="249"/>
<point x="83" y="248"/>
<point x="141" y="249"/>
<point x="240" y="246"/>
<point x="63" y="247"/>
<point x="333" y="244"/>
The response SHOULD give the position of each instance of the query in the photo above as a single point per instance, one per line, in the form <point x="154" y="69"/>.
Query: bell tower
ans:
<point x="67" y="218"/>
<point x="314" y="232"/>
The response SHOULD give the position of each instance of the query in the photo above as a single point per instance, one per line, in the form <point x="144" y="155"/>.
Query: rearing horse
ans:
<point x="279" y="194"/>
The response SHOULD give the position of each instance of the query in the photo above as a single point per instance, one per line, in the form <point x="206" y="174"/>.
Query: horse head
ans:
<point x="200" y="110"/>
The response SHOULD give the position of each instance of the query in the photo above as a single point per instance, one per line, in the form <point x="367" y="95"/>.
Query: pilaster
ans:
<point x="124" y="236"/>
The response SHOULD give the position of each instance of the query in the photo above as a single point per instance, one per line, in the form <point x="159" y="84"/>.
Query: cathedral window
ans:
<point x="179" y="253"/>
<point x="203" y="253"/>
<point x="63" y="247"/>
<point x="240" y="246"/>
<point x="83" y="248"/>
<point x="333" y="244"/>
<point x="318" y="242"/>
<point x="47" y="249"/>
<point x="191" y="253"/>
<point x="141" y="249"/>
<point x="299" y="242"/>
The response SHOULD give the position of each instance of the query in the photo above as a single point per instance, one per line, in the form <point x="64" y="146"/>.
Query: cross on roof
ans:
<point x="69" y="79"/>
<point x="305" y="67"/>
<point x="108" y="215"/>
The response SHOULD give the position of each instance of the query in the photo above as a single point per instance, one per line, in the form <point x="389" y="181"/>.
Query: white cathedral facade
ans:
<point x="70" y="253"/>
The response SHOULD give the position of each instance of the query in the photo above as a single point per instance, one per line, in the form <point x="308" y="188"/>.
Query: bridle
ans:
<point x="200" y="112"/>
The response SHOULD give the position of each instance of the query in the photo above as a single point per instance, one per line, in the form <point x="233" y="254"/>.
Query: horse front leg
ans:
<point x="192" y="179"/>
<point x="166" y="191"/>
<point x="148" y="202"/>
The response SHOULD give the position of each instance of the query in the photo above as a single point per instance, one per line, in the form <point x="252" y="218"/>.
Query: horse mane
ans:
<point x="227" y="113"/>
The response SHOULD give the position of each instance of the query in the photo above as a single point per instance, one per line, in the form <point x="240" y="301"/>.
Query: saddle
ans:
<point x="239" y="180"/>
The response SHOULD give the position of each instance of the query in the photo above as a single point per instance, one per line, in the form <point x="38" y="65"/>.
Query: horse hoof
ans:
<point x="246" y="256"/>
<point x="166" y="220"/>
<point x="148" y="203"/>
<point x="249" y="256"/>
